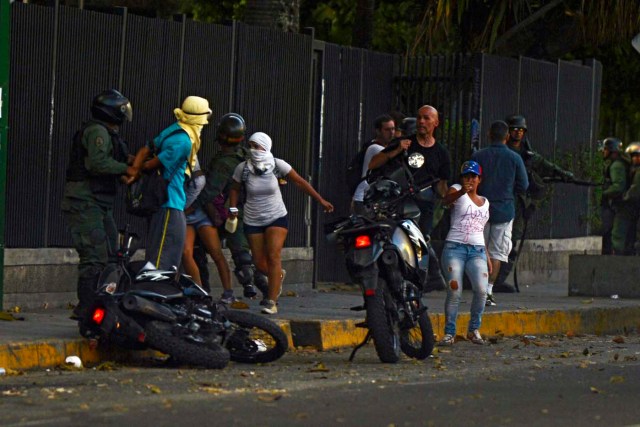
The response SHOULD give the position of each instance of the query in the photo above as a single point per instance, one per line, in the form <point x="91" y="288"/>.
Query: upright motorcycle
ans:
<point x="387" y="255"/>
<point x="141" y="308"/>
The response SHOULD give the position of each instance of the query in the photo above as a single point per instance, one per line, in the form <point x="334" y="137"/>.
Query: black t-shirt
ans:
<point x="437" y="162"/>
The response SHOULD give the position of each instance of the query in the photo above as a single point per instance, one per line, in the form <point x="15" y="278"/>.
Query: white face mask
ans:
<point x="261" y="160"/>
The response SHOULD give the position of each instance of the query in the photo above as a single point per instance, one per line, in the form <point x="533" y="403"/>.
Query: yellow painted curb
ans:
<point x="331" y="334"/>
<point x="52" y="353"/>
<point x="326" y="334"/>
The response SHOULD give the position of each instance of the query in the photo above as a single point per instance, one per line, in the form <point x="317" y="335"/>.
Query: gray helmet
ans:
<point x="613" y="144"/>
<point x="231" y="129"/>
<point x="112" y="107"/>
<point x="516" y="121"/>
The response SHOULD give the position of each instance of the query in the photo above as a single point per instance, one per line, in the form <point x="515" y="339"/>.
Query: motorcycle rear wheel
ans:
<point x="383" y="323"/>
<point x="418" y="342"/>
<point x="160" y="337"/>
<point x="256" y="339"/>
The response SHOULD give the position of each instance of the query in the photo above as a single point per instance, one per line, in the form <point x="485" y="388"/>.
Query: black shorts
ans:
<point x="282" y="222"/>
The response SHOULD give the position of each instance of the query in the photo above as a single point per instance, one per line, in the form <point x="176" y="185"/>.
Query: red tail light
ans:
<point x="369" y="292"/>
<point x="363" y="242"/>
<point x="98" y="315"/>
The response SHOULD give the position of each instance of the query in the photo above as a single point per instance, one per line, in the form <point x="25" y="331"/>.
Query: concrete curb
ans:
<point x="333" y="334"/>
<point x="44" y="354"/>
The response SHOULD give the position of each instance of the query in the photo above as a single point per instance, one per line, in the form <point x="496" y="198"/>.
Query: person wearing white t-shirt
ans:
<point x="265" y="215"/>
<point x="385" y="128"/>
<point x="465" y="252"/>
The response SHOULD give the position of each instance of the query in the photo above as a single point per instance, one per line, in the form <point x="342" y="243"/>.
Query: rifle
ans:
<point x="558" y="179"/>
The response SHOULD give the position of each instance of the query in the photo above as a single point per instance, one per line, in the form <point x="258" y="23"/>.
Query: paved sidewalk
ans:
<point x="322" y="319"/>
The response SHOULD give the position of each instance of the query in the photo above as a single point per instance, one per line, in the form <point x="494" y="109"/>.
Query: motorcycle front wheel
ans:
<point x="159" y="335"/>
<point x="254" y="338"/>
<point x="382" y="321"/>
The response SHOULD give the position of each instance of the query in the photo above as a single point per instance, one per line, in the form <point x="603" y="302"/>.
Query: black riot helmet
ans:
<point x="613" y="144"/>
<point x="231" y="129"/>
<point x="112" y="107"/>
<point x="516" y="121"/>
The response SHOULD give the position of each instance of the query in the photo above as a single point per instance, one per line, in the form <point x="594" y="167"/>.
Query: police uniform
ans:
<point x="616" y="213"/>
<point x="632" y="196"/>
<point x="98" y="159"/>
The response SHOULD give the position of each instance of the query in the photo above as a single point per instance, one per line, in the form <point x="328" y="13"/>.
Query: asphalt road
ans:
<point x="546" y="381"/>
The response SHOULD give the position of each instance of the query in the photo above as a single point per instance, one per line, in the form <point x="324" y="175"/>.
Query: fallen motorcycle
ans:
<point x="169" y="312"/>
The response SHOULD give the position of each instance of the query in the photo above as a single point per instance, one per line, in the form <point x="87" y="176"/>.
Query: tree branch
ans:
<point x="525" y="22"/>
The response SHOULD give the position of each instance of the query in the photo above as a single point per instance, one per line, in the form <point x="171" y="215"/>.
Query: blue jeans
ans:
<point x="457" y="259"/>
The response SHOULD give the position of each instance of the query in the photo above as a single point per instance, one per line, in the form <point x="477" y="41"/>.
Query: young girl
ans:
<point x="465" y="252"/>
<point x="265" y="215"/>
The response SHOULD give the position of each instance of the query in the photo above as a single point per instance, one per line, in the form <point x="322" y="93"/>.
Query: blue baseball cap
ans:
<point x="471" y="167"/>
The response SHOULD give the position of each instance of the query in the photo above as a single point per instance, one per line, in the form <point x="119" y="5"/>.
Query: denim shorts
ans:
<point x="198" y="218"/>
<point x="282" y="222"/>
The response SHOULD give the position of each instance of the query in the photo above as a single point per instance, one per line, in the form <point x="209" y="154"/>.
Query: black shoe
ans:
<point x="249" y="291"/>
<point x="504" y="288"/>
<point x="490" y="301"/>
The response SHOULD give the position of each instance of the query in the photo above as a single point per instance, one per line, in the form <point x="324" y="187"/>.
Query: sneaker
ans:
<point x="227" y="297"/>
<point x="249" y="291"/>
<point x="447" y="340"/>
<point x="475" y="337"/>
<point x="265" y="299"/>
<point x="490" y="301"/>
<point x="270" y="307"/>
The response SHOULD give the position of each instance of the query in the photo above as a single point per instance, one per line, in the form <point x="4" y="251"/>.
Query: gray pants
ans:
<point x="165" y="238"/>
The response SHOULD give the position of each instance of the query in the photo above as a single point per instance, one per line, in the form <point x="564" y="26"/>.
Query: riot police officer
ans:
<point x="615" y="212"/>
<point x="632" y="196"/>
<point x="98" y="158"/>
<point x="538" y="168"/>
<point x="230" y="134"/>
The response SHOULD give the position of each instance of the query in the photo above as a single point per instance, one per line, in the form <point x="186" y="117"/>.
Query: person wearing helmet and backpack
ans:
<point x="615" y="211"/>
<point x="98" y="159"/>
<point x="632" y="196"/>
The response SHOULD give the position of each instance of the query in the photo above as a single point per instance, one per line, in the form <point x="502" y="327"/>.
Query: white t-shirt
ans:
<point x="264" y="202"/>
<point x="468" y="220"/>
<point x="362" y="188"/>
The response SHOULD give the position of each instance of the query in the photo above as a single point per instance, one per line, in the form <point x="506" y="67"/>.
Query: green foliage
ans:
<point x="219" y="12"/>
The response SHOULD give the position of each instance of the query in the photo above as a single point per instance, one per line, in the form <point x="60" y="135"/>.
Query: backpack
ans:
<point x="145" y="196"/>
<point x="353" y="174"/>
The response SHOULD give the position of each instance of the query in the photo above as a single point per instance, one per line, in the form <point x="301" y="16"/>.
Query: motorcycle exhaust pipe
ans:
<point x="150" y="308"/>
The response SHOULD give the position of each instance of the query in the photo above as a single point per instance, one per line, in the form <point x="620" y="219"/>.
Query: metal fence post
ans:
<point x="5" y="35"/>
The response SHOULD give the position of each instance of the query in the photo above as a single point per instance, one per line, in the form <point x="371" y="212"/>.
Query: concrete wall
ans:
<point x="604" y="276"/>
<point x="35" y="278"/>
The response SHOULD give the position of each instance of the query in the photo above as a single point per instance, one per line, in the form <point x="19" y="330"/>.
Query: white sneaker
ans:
<point x="270" y="307"/>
